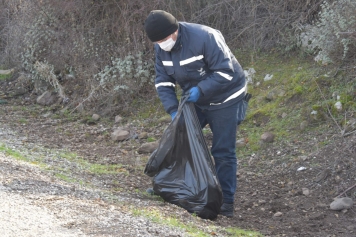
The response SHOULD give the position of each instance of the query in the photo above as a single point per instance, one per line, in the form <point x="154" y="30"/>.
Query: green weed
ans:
<point x="187" y="228"/>
<point x="65" y="178"/>
<point x="92" y="167"/>
<point x="22" y="121"/>
<point x="151" y="139"/>
<point x="5" y="77"/>
<point x="242" y="233"/>
<point x="10" y="152"/>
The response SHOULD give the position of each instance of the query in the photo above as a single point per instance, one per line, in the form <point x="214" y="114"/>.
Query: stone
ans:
<point x="322" y="175"/>
<point x="241" y="143"/>
<point x="303" y="125"/>
<point x="148" y="147"/>
<point x="118" y="119"/>
<point x="351" y="227"/>
<point x="341" y="204"/>
<point x="335" y="95"/>
<point x="268" y="77"/>
<point x="278" y="214"/>
<point x="303" y="158"/>
<point x="305" y="191"/>
<point x="281" y="93"/>
<point x="165" y="119"/>
<point x="69" y="77"/>
<point x="143" y="135"/>
<point x="45" y="99"/>
<point x="249" y="74"/>
<point x="120" y="135"/>
<point x="338" y="106"/>
<point x="317" y="216"/>
<point x="19" y="91"/>
<point x="95" y="117"/>
<point x="271" y="95"/>
<point x="267" y="137"/>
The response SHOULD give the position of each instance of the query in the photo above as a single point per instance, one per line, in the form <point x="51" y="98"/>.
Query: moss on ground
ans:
<point x="299" y="86"/>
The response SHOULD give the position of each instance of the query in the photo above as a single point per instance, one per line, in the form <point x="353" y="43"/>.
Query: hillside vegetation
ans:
<point x="296" y="148"/>
<point x="273" y="197"/>
<point x="95" y="54"/>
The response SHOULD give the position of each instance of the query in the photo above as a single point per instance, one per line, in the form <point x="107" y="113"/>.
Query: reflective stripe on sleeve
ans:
<point x="190" y="60"/>
<point x="165" y="84"/>
<point x="224" y="75"/>
<point x="233" y="96"/>
<point x="167" y="63"/>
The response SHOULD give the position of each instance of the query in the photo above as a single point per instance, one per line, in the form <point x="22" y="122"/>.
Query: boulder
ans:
<point x="95" y="117"/>
<point x="341" y="204"/>
<point x="120" y="135"/>
<point x="46" y="98"/>
<point x="118" y="119"/>
<point x="143" y="135"/>
<point x="267" y="137"/>
<point x="148" y="147"/>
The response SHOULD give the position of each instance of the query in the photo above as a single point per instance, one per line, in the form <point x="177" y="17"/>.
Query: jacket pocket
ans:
<point x="169" y="70"/>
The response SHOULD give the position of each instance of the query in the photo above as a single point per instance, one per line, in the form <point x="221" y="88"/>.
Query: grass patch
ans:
<point x="148" y="109"/>
<point x="22" y="121"/>
<point x="65" y="178"/>
<point x="4" y="77"/>
<point x="107" y="169"/>
<point x="10" y="152"/>
<point x="93" y="168"/>
<point x="63" y="172"/>
<point x="279" y="105"/>
<point x="20" y="156"/>
<point x="151" y="139"/>
<point x="242" y="233"/>
<point x="190" y="229"/>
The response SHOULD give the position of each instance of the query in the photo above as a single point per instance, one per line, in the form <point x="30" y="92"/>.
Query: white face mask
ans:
<point x="167" y="45"/>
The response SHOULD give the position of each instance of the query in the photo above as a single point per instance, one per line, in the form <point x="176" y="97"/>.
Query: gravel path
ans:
<point x="19" y="217"/>
<point x="34" y="203"/>
<point x="26" y="211"/>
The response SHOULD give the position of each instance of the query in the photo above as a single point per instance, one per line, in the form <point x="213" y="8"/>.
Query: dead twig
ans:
<point x="354" y="186"/>
<point x="349" y="133"/>
<point x="332" y="117"/>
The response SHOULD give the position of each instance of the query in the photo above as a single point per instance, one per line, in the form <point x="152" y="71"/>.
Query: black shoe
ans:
<point x="227" y="209"/>
<point x="150" y="191"/>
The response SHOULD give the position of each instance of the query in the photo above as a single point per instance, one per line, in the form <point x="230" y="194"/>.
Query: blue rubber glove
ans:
<point x="173" y="114"/>
<point x="194" y="94"/>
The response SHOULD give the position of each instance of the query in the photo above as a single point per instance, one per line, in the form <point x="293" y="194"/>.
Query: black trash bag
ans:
<point x="182" y="168"/>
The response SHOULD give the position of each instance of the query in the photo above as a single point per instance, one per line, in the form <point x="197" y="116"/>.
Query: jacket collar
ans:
<point x="178" y="43"/>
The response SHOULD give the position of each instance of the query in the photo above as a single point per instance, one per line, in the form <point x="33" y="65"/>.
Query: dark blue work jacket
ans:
<point x="200" y="57"/>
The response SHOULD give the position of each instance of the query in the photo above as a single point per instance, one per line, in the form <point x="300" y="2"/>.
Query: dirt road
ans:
<point x="273" y="197"/>
<point x="33" y="204"/>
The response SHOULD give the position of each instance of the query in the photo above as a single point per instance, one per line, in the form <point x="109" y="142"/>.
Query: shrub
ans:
<point x="332" y="38"/>
<point x="102" y="44"/>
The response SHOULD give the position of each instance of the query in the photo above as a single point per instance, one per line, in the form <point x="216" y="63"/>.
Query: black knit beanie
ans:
<point x="160" y="24"/>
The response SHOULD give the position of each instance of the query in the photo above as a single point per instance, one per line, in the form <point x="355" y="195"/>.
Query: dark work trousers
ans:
<point x="223" y="124"/>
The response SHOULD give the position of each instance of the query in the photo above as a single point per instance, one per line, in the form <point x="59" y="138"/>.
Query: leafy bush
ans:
<point x="132" y="69"/>
<point x="124" y="78"/>
<point x="332" y="38"/>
